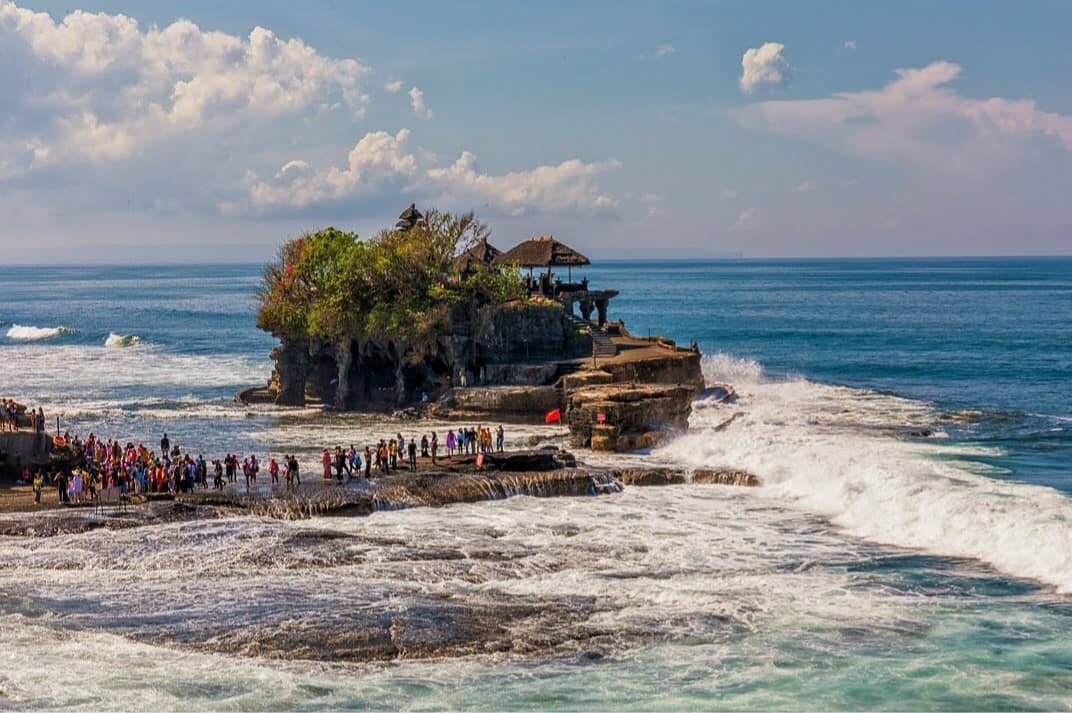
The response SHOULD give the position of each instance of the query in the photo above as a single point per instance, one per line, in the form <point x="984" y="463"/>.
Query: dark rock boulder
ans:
<point x="649" y="476"/>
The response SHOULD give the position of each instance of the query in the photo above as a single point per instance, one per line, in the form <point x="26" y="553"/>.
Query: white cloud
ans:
<point x="662" y="50"/>
<point x="918" y="122"/>
<point x="743" y="218"/>
<point x="729" y="194"/>
<point x="381" y="160"/>
<point x="763" y="65"/>
<point x="393" y="87"/>
<point x="416" y="100"/>
<point x="96" y="88"/>
<point x="850" y="44"/>
<point x="802" y="187"/>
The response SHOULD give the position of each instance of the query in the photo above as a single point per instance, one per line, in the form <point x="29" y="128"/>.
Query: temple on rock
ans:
<point x="550" y="344"/>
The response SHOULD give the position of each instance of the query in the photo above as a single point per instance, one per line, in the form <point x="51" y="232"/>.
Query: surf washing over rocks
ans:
<point x="877" y="466"/>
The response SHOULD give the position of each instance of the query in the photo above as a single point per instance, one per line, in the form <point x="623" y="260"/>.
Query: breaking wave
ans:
<point x="848" y="454"/>
<point x="122" y="340"/>
<point x="24" y="333"/>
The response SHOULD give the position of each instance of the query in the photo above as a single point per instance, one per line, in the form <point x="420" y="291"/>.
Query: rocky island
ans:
<point x="430" y="316"/>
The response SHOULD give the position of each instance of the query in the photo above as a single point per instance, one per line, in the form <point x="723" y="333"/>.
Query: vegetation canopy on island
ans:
<point x="398" y="286"/>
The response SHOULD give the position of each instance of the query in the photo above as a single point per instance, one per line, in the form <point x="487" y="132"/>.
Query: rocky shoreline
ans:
<point x="548" y="472"/>
<point x="383" y="620"/>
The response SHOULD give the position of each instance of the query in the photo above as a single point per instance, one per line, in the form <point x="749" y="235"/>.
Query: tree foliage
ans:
<point x="397" y="287"/>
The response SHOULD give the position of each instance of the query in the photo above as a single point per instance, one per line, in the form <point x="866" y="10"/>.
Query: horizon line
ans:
<point x="681" y="259"/>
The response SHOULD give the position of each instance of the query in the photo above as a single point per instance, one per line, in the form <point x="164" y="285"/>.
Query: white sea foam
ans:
<point x="122" y="340"/>
<point x="24" y="333"/>
<point x="834" y="451"/>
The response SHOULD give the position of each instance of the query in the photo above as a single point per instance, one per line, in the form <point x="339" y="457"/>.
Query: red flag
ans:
<point x="553" y="416"/>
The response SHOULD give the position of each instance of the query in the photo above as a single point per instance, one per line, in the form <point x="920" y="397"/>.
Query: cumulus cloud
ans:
<point x="98" y="88"/>
<point x="917" y="121"/>
<point x="802" y="187"/>
<point x="763" y="65"/>
<point x="850" y="44"/>
<point x="416" y="100"/>
<point x="729" y="194"/>
<point x="393" y="87"/>
<point x="380" y="160"/>
<point x="743" y="218"/>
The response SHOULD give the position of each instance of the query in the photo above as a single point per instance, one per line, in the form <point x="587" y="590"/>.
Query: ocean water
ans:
<point x="877" y="567"/>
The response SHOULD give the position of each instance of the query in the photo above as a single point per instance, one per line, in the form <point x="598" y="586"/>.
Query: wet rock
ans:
<point x="726" y="476"/>
<point x="650" y="476"/>
<point x="549" y="458"/>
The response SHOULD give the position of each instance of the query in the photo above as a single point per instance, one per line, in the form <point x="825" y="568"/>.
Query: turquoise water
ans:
<point x="876" y="569"/>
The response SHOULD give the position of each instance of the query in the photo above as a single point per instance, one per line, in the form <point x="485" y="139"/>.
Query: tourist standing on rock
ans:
<point x="40" y="420"/>
<point x="452" y="441"/>
<point x="325" y="461"/>
<point x="435" y="446"/>
<point x="392" y="452"/>
<point x="412" y="448"/>
<point x="353" y="461"/>
<point x="340" y="463"/>
<point x="368" y="462"/>
<point x="500" y="438"/>
<point x="273" y="470"/>
<point x="424" y="446"/>
<point x="165" y="445"/>
<point x="38" y="486"/>
<point x="217" y="482"/>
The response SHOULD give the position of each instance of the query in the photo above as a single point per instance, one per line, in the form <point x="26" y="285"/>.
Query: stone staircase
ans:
<point x="604" y="346"/>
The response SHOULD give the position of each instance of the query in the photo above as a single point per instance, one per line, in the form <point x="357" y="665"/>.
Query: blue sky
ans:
<point x="622" y="128"/>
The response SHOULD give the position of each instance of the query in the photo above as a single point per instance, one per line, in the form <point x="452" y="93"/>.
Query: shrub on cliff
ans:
<point x="396" y="287"/>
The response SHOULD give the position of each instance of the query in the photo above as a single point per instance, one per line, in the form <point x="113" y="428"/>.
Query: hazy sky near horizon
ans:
<point x="207" y="131"/>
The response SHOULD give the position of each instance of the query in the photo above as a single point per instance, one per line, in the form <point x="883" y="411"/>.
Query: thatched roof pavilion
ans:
<point x="481" y="253"/>
<point x="408" y="218"/>
<point x="543" y="252"/>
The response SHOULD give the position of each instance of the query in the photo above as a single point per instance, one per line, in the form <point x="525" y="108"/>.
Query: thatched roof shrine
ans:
<point x="481" y="253"/>
<point x="542" y="252"/>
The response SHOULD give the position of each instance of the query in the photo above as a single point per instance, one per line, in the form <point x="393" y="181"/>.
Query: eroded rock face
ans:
<point x="499" y="344"/>
<point x="649" y="476"/>
<point x="676" y="367"/>
<point x="518" y="403"/>
<point x="634" y="416"/>
<point x="290" y="373"/>
<point x="726" y="476"/>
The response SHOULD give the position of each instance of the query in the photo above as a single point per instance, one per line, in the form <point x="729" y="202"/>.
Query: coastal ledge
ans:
<point x="546" y="472"/>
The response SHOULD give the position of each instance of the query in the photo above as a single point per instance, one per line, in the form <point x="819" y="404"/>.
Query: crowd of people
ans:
<point x="386" y="455"/>
<point x="11" y="416"/>
<point x="104" y="465"/>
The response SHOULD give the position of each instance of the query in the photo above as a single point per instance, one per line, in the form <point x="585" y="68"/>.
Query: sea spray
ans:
<point x="833" y="450"/>
<point x="24" y="333"/>
<point x="121" y="340"/>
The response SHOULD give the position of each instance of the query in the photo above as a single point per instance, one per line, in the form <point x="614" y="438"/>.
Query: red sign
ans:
<point x="601" y="418"/>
